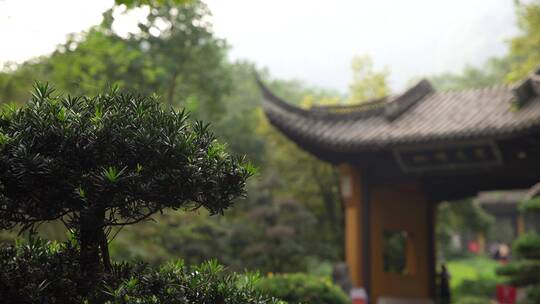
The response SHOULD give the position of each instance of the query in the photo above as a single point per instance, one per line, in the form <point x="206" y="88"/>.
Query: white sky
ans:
<point x="310" y="40"/>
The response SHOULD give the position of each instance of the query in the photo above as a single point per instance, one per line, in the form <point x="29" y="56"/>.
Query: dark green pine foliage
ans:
<point x="111" y="160"/>
<point x="43" y="272"/>
<point x="524" y="271"/>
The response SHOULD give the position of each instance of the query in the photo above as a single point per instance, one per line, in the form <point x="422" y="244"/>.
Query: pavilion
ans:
<point x="401" y="155"/>
<point x="504" y="207"/>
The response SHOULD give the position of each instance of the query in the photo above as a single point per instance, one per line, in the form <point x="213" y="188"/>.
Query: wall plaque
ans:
<point x="460" y="156"/>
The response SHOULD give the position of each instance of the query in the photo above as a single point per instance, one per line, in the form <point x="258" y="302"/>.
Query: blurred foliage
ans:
<point x="297" y="288"/>
<point x="174" y="54"/>
<point x="473" y="300"/>
<point x="479" y="287"/>
<point x="493" y="72"/>
<point x="532" y="205"/>
<point x="522" y="58"/>
<point x="502" y="232"/>
<point x="367" y="84"/>
<point x="525" y="47"/>
<point x="135" y="3"/>
<point x="464" y="218"/>
<point x="394" y="251"/>
<point x="272" y="235"/>
<point x="474" y="268"/>
<point x="527" y="246"/>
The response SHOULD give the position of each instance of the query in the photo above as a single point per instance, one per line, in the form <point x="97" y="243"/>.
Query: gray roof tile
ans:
<point x="433" y="117"/>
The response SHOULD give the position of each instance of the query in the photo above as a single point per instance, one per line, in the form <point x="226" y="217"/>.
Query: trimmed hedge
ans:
<point x="480" y="288"/>
<point x="474" y="300"/>
<point x="302" y="288"/>
<point x="527" y="246"/>
<point x="48" y="272"/>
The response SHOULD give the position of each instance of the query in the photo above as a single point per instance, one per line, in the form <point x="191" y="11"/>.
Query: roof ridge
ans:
<point x="475" y="89"/>
<point x="407" y="99"/>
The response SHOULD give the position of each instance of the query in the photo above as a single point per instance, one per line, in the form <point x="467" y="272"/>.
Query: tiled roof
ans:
<point x="501" y="197"/>
<point x="418" y="116"/>
<point x="507" y="196"/>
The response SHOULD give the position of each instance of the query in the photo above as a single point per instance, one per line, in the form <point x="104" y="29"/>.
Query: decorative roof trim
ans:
<point x="391" y="108"/>
<point x="269" y="96"/>
<point x="402" y="103"/>
<point x="523" y="91"/>
<point x="351" y="112"/>
<point x="527" y="88"/>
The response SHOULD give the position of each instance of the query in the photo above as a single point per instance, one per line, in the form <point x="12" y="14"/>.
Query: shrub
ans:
<point x="480" y="287"/>
<point x="527" y="246"/>
<point x="521" y="272"/>
<point x="532" y="205"/>
<point x="302" y="288"/>
<point x="474" y="300"/>
<point x="46" y="272"/>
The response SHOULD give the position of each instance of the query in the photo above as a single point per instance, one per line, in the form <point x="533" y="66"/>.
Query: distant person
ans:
<point x="473" y="247"/>
<point x="341" y="277"/>
<point x="504" y="253"/>
<point x="446" y="297"/>
<point x="494" y="250"/>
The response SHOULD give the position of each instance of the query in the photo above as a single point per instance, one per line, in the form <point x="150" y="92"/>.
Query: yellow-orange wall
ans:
<point x="402" y="206"/>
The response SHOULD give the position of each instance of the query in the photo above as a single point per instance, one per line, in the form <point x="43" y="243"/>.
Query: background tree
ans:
<point x="494" y="71"/>
<point x="525" y="47"/>
<point x="522" y="57"/>
<point x="367" y="84"/>
<point x="174" y="54"/>
<point x="464" y="218"/>
<point x="136" y="3"/>
<point x="179" y="42"/>
<point x="112" y="160"/>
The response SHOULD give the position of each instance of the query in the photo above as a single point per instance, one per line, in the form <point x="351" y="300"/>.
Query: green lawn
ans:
<point x="473" y="279"/>
<point x="472" y="268"/>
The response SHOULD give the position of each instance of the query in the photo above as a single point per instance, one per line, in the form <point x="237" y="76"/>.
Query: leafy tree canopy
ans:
<point x="367" y="83"/>
<point x="525" y="47"/>
<point x="493" y="72"/>
<point x="134" y="3"/>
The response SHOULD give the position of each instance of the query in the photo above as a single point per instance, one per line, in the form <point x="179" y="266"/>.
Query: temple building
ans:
<point x="401" y="155"/>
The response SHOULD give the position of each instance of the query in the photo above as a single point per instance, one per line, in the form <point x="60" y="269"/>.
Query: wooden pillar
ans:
<point x="354" y="240"/>
<point x="520" y="223"/>
<point x="432" y="248"/>
<point x="481" y="237"/>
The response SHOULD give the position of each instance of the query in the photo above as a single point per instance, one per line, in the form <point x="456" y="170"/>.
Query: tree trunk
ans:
<point x="90" y="238"/>
<point x="172" y="88"/>
<point x="104" y="246"/>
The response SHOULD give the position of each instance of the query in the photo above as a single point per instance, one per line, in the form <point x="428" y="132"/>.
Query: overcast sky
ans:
<point x="310" y="40"/>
